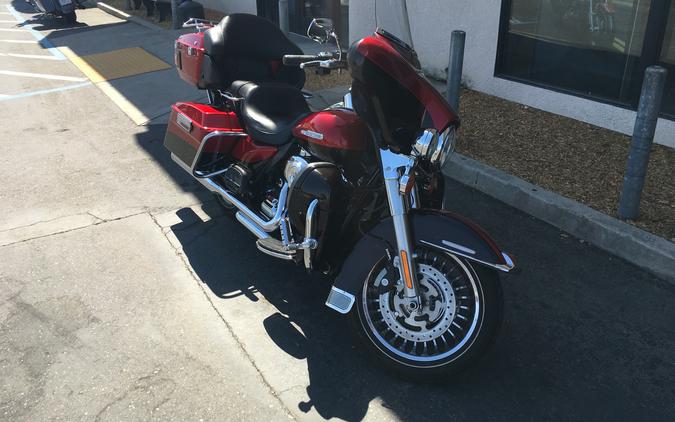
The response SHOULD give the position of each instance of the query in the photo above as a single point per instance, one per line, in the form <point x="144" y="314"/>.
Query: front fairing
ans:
<point x="392" y="95"/>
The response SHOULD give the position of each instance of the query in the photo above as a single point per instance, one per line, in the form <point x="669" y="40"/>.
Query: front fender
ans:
<point x="437" y="229"/>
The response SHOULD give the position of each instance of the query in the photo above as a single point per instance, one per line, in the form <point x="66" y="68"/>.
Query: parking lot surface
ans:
<point x="125" y="294"/>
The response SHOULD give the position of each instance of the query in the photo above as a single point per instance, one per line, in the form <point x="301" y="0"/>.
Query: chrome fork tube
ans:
<point x="391" y="164"/>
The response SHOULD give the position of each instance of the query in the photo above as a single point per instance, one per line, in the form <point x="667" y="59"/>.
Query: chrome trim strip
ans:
<point x="309" y="231"/>
<point x="268" y="226"/>
<point x="459" y="247"/>
<point x="347" y="100"/>
<point x="336" y="292"/>
<point x="501" y="267"/>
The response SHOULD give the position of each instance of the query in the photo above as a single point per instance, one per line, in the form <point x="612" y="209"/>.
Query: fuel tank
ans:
<point x="338" y="136"/>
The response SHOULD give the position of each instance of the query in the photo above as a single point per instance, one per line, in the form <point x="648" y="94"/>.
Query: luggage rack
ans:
<point x="200" y="24"/>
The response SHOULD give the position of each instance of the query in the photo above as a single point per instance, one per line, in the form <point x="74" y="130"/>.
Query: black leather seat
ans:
<point x="269" y="111"/>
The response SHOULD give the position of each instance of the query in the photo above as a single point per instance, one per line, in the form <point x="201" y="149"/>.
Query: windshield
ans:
<point x="392" y="16"/>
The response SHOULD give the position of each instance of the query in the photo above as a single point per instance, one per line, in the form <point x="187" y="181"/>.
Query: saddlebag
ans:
<point x="191" y="122"/>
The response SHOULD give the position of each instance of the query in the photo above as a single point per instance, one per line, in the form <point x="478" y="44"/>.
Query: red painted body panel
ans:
<point x="380" y="51"/>
<point x="341" y="129"/>
<point x="204" y="119"/>
<point x="189" y="57"/>
<point x="248" y="151"/>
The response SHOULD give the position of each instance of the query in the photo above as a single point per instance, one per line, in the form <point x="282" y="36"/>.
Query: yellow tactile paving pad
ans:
<point x="116" y="64"/>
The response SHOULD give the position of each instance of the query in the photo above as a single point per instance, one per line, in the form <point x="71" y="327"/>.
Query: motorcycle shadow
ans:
<point x="224" y="257"/>
<point x="342" y="379"/>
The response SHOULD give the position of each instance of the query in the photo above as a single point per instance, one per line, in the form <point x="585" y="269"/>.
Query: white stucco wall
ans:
<point x="231" y="6"/>
<point x="431" y="23"/>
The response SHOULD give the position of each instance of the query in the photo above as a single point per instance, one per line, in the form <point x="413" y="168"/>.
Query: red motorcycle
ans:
<point x="353" y="191"/>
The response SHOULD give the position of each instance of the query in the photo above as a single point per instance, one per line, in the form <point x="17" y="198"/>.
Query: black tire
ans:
<point x="70" y="17"/>
<point x="488" y="317"/>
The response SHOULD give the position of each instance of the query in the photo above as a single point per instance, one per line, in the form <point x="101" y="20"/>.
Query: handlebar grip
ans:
<point x="296" y="60"/>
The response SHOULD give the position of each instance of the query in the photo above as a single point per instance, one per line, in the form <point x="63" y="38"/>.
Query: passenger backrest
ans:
<point x="248" y="47"/>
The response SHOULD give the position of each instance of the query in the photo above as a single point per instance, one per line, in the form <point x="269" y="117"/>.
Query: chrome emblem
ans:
<point x="184" y="122"/>
<point x="312" y="134"/>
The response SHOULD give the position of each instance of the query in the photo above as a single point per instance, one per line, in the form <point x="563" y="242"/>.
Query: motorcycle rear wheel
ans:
<point x="459" y="319"/>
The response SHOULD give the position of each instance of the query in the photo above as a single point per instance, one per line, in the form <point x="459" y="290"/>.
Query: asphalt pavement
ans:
<point x="125" y="294"/>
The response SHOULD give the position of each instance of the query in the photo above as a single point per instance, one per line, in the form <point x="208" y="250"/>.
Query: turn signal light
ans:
<point x="406" y="270"/>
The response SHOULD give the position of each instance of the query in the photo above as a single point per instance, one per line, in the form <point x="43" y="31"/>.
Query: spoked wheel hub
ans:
<point x="440" y="326"/>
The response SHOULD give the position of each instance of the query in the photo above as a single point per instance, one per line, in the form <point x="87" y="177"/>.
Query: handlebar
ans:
<point x="326" y="60"/>
<point x="296" y="60"/>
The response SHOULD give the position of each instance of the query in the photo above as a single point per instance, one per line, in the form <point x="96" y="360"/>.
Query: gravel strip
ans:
<point x="577" y="160"/>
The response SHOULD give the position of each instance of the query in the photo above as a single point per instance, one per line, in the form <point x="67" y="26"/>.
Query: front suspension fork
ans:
<point x="395" y="168"/>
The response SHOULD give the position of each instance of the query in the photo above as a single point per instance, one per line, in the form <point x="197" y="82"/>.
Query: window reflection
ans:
<point x="587" y="46"/>
<point x="613" y="25"/>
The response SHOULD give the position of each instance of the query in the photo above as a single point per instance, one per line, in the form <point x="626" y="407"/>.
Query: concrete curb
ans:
<point x="643" y="249"/>
<point x="123" y="15"/>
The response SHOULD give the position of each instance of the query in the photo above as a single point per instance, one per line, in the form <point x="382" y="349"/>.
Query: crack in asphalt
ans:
<point x="95" y="223"/>
<point x="99" y="220"/>
<point x="40" y="222"/>
<point x="229" y="328"/>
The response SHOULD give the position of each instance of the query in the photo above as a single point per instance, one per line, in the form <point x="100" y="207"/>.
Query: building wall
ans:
<point x="431" y="23"/>
<point x="231" y="6"/>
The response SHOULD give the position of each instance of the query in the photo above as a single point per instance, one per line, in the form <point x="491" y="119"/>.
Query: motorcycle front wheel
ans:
<point x="460" y="316"/>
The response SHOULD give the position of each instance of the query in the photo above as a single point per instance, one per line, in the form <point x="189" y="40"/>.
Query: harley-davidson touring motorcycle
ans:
<point x="353" y="191"/>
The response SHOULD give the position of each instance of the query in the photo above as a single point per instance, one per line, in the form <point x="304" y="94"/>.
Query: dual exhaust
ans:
<point x="261" y="228"/>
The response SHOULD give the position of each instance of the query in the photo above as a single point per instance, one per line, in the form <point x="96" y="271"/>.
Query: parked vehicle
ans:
<point x="353" y="191"/>
<point x="59" y="8"/>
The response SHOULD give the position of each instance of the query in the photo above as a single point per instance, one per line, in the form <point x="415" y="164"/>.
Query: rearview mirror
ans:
<point x="321" y="30"/>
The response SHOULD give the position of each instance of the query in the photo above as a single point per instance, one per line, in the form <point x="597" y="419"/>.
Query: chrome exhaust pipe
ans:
<point x="267" y="226"/>
<point x="253" y="228"/>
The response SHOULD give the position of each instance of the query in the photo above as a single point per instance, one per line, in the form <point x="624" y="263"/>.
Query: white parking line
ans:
<point x="20" y="41"/>
<point x="42" y="76"/>
<point x="29" y="56"/>
<point x="1" y="21"/>
<point x="4" y="97"/>
<point x="13" y="30"/>
<point x="41" y="39"/>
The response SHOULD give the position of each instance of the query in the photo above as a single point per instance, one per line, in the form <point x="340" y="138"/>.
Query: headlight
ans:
<point x="426" y="144"/>
<point x="445" y="147"/>
<point x="434" y="147"/>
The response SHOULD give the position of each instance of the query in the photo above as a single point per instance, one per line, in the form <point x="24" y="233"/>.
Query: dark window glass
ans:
<point x="589" y="47"/>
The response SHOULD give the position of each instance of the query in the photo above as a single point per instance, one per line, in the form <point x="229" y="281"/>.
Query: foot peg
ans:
<point x="275" y="248"/>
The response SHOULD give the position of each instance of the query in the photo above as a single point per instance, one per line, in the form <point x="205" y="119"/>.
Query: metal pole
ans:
<point x="283" y="16"/>
<point x="455" y="64"/>
<point x="641" y="143"/>
<point x="175" y="23"/>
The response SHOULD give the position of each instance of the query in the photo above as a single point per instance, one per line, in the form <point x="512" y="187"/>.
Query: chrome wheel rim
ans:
<point x="447" y="320"/>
